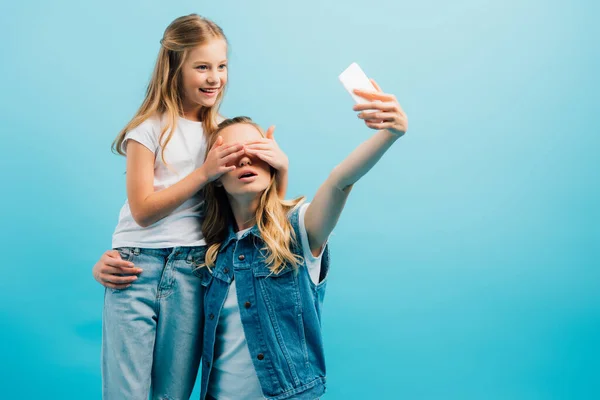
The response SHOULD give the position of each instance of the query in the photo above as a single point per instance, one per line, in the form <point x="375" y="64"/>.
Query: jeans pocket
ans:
<point x="202" y="272"/>
<point x="127" y="254"/>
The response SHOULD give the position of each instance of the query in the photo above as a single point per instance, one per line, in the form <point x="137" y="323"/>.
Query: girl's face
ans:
<point x="204" y="74"/>
<point x="252" y="175"/>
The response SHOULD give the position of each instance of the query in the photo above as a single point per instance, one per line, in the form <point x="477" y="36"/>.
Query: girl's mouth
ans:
<point x="210" y="91"/>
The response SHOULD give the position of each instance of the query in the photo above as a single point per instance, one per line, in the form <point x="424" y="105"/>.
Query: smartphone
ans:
<point x="352" y="78"/>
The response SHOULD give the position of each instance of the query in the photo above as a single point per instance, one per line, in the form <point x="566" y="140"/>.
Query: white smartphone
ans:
<point x="352" y="78"/>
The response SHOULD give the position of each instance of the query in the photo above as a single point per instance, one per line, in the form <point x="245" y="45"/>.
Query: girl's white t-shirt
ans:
<point x="183" y="154"/>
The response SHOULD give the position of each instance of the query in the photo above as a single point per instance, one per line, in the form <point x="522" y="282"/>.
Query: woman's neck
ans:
<point x="244" y="210"/>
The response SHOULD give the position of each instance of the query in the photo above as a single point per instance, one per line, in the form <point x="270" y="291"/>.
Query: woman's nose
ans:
<point x="245" y="160"/>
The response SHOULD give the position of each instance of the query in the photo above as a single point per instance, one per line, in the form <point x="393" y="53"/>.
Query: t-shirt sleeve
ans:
<point x="313" y="263"/>
<point x="144" y="134"/>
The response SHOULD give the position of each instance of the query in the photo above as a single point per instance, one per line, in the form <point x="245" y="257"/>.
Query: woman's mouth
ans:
<point x="247" y="177"/>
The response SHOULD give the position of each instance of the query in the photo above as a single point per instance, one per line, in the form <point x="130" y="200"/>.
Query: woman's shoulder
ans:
<point x="296" y="209"/>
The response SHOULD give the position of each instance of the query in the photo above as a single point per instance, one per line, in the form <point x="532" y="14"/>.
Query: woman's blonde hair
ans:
<point x="164" y="92"/>
<point x="271" y="216"/>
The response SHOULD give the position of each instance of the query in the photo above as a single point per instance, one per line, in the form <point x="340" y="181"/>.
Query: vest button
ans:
<point x="211" y="316"/>
<point x="241" y="257"/>
<point x="226" y="270"/>
<point x="260" y="356"/>
<point x="247" y="304"/>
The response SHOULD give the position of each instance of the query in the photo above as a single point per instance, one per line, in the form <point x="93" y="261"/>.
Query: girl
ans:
<point x="267" y="262"/>
<point x="152" y="323"/>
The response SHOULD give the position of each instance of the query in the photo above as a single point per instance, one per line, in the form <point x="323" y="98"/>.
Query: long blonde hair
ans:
<point x="164" y="92"/>
<point x="271" y="216"/>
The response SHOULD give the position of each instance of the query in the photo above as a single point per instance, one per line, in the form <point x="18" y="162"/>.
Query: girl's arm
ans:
<point x="324" y="211"/>
<point x="148" y="206"/>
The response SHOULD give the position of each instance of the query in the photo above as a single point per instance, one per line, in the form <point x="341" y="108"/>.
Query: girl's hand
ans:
<point x="267" y="150"/>
<point x="218" y="158"/>
<point x="384" y="111"/>
<point x="112" y="272"/>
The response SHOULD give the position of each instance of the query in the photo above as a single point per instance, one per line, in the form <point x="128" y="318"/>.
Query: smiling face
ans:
<point x="252" y="175"/>
<point x="204" y="74"/>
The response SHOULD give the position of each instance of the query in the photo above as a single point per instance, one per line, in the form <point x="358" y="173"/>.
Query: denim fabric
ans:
<point x="281" y="316"/>
<point x="153" y="331"/>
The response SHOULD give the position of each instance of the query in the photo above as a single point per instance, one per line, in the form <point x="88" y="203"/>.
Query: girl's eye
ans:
<point x="202" y="67"/>
<point x="223" y="66"/>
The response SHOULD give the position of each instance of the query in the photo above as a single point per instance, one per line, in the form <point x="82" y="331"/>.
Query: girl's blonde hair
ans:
<point x="271" y="216"/>
<point x="164" y="92"/>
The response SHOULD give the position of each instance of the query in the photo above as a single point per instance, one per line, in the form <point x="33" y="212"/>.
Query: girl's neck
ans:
<point x="244" y="210"/>
<point x="191" y="113"/>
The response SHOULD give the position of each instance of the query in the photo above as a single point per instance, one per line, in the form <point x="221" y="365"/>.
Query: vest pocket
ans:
<point x="278" y="291"/>
<point x="302" y="339"/>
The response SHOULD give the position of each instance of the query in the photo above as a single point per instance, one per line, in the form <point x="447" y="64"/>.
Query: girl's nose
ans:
<point x="212" y="78"/>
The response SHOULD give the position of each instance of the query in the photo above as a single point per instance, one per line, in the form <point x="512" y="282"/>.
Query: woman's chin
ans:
<point x="248" y="191"/>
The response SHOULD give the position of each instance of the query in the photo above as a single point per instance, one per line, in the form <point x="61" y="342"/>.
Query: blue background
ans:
<point x="466" y="264"/>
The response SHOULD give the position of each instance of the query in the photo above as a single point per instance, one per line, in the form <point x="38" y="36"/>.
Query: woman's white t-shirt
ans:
<point x="233" y="376"/>
<point x="183" y="154"/>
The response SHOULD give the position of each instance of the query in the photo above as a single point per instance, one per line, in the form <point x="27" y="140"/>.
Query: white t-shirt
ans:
<point x="233" y="376"/>
<point x="183" y="154"/>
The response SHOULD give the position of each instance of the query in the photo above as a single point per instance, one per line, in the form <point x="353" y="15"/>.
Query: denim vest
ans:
<point x="281" y="315"/>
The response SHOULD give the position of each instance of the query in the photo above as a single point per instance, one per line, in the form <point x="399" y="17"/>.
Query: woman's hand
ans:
<point x="382" y="111"/>
<point x="113" y="272"/>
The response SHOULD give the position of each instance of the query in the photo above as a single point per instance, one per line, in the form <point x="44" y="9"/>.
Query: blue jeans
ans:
<point x="152" y="332"/>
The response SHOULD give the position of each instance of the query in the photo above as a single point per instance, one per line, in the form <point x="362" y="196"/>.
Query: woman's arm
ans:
<point x="324" y="211"/>
<point x="112" y="272"/>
